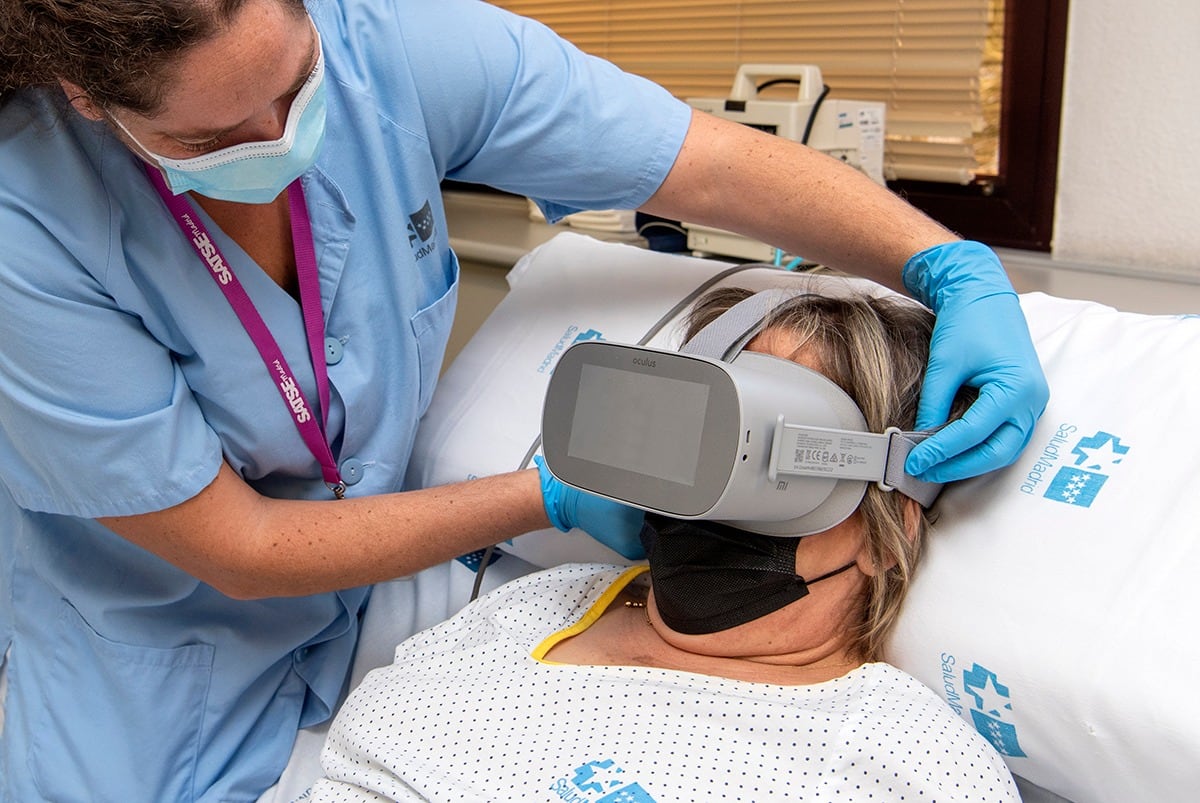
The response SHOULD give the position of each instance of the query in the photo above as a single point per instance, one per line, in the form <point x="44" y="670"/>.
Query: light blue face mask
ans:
<point x="255" y="172"/>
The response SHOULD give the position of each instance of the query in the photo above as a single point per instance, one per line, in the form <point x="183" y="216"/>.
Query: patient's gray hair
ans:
<point x="876" y="350"/>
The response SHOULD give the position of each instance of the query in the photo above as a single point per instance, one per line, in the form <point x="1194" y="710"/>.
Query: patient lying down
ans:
<point x="711" y="675"/>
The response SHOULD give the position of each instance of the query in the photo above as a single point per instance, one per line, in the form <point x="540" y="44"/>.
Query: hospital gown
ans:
<point x="467" y="713"/>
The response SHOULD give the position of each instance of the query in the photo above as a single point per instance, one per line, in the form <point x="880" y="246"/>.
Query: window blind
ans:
<point x="932" y="61"/>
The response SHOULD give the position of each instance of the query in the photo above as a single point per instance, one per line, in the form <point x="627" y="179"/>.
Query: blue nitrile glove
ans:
<point x="980" y="339"/>
<point x="616" y="526"/>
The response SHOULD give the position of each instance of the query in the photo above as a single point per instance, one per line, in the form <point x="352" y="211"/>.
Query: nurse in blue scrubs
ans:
<point x="225" y="293"/>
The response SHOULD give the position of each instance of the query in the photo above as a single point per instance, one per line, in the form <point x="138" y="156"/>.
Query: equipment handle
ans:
<point x="745" y="83"/>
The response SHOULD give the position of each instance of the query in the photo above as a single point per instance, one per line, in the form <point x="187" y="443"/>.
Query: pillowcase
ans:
<point x="1054" y="606"/>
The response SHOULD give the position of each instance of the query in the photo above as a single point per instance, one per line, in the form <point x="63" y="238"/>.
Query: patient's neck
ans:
<point x="765" y="650"/>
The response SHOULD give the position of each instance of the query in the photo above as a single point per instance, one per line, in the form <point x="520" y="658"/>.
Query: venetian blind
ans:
<point x="931" y="61"/>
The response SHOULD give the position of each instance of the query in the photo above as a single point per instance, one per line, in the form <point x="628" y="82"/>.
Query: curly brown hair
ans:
<point x="119" y="52"/>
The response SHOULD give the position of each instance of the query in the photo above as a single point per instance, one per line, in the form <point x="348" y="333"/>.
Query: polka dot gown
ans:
<point x="467" y="714"/>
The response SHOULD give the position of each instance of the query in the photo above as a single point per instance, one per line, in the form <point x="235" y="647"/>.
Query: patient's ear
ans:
<point x="912" y="518"/>
<point x="80" y="100"/>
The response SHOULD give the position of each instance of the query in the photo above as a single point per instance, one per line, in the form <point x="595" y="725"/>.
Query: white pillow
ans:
<point x="1055" y="604"/>
<point x="1053" y="607"/>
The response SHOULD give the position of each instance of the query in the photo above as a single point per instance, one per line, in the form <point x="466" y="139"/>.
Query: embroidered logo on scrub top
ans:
<point x="420" y="226"/>
<point x="600" y="782"/>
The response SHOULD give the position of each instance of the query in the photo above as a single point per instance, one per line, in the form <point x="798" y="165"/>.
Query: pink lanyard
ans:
<point x="310" y="304"/>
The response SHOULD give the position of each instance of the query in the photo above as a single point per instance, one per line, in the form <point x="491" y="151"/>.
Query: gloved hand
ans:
<point x="616" y="526"/>
<point x="980" y="339"/>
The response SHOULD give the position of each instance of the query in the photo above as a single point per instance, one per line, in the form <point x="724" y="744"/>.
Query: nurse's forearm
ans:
<point x="248" y="546"/>
<point x="785" y="194"/>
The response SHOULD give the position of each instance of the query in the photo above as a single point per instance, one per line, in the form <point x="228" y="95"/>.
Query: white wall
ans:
<point x="1129" y="161"/>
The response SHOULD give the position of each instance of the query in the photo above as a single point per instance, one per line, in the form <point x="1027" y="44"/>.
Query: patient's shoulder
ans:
<point x="563" y="588"/>
<point x="887" y="694"/>
<point x="897" y="715"/>
<point x="521" y="612"/>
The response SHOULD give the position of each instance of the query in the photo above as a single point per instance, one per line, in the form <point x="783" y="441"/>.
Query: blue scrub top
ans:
<point x="126" y="378"/>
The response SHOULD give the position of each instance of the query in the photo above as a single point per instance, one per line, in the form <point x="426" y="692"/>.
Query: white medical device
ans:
<point x="716" y="432"/>
<point x="849" y="130"/>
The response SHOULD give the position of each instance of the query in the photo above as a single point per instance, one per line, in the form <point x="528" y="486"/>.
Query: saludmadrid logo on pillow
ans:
<point x="570" y="337"/>
<point x="1074" y="477"/>
<point x="988" y="701"/>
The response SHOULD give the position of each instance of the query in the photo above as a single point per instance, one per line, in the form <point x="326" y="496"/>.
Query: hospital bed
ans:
<point x="1055" y="606"/>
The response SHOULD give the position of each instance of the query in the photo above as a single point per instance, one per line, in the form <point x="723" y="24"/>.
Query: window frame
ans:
<point x="1014" y="209"/>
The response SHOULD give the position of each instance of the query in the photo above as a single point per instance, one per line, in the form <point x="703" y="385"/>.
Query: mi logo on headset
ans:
<point x="1094" y="456"/>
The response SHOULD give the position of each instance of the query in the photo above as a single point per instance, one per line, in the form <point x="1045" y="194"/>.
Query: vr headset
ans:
<point x="713" y="432"/>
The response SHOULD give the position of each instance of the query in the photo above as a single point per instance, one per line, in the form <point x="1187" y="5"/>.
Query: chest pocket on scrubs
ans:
<point x="117" y="694"/>
<point x="431" y="327"/>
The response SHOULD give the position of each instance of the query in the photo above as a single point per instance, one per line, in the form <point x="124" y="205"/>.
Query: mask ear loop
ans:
<point x="827" y="575"/>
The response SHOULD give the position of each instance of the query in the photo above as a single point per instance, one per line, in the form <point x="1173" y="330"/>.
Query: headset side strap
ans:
<point x="894" y="476"/>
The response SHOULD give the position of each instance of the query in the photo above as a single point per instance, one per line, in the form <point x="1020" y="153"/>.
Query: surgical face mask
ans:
<point x="709" y="577"/>
<point x="254" y="172"/>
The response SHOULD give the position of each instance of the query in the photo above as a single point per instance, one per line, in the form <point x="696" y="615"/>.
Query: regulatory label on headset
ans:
<point x="839" y="454"/>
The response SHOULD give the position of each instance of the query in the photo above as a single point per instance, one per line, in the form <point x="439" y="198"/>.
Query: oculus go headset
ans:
<point x="713" y="432"/>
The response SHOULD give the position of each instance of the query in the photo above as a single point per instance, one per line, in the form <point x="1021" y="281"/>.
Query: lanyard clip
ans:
<point x="338" y="488"/>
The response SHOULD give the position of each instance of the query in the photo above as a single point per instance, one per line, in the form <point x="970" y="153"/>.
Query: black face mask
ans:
<point x="709" y="577"/>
